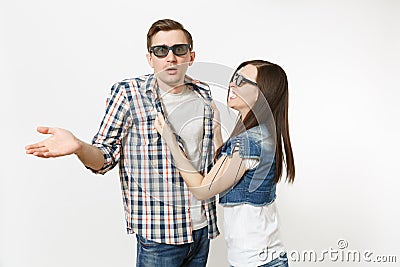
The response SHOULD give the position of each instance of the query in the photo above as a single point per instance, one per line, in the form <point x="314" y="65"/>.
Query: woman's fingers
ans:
<point x="160" y="118"/>
<point x="159" y="123"/>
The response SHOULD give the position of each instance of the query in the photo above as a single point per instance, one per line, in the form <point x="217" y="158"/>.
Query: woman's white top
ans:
<point x="252" y="233"/>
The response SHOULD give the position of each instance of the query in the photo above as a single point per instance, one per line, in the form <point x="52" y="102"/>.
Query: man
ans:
<point x="172" y="227"/>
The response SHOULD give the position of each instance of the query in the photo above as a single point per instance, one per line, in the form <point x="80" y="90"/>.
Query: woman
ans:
<point x="249" y="165"/>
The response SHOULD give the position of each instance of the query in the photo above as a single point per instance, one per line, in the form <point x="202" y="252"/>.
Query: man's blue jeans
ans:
<point x="194" y="254"/>
<point x="281" y="261"/>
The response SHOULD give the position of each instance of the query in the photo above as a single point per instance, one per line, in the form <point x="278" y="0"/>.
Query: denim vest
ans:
<point x="257" y="186"/>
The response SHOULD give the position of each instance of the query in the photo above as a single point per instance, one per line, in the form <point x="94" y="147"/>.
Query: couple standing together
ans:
<point x="163" y="130"/>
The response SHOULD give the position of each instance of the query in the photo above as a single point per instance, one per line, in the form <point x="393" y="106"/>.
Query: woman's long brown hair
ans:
<point x="273" y="84"/>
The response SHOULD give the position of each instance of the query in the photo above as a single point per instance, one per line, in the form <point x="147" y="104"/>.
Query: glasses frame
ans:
<point x="172" y="48"/>
<point x="240" y="79"/>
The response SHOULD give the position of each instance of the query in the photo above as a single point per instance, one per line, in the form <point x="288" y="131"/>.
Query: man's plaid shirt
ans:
<point x="156" y="199"/>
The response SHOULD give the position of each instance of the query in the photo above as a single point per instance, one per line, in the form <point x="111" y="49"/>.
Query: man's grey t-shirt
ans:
<point x="185" y="113"/>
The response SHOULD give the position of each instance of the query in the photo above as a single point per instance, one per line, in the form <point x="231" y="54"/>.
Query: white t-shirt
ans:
<point x="185" y="113"/>
<point x="252" y="233"/>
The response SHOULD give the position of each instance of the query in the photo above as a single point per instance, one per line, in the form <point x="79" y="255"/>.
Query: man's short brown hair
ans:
<point x="167" y="25"/>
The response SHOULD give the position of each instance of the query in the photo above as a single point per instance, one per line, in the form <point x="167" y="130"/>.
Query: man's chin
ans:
<point x="172" y="80"/>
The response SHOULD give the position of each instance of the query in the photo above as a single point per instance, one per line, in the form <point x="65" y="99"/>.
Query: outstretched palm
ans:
<point x="60" y="143"/>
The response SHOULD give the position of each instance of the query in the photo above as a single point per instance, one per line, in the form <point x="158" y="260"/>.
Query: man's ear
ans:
<point x="149" y="60"/>
<point x="192" y="56"/>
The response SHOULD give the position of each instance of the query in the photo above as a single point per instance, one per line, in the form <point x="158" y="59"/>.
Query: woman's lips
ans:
<point x="232" y="95"/>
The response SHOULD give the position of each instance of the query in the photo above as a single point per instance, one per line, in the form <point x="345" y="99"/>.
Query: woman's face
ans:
<point x="242" y="97"/>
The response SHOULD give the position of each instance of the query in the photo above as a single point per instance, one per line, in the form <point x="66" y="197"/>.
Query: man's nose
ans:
<point x="171" y="56"/>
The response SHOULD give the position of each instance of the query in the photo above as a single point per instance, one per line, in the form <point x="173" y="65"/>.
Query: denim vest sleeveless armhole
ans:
<point x="251" y="146"/>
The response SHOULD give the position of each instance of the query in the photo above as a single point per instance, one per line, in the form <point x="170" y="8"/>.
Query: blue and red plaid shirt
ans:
<point x="156" y="199"/>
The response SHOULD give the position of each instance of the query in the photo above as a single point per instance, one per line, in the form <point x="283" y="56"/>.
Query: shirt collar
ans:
<point x="152" y="85"/>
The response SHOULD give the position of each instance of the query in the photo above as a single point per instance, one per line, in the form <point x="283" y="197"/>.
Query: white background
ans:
<point x="58" y="60"/>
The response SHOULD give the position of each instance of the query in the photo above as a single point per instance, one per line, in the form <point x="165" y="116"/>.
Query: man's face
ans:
<point x="170" y="70"/>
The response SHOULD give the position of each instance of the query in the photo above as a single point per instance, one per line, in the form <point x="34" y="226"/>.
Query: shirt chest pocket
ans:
<point x="143" y="128"/>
